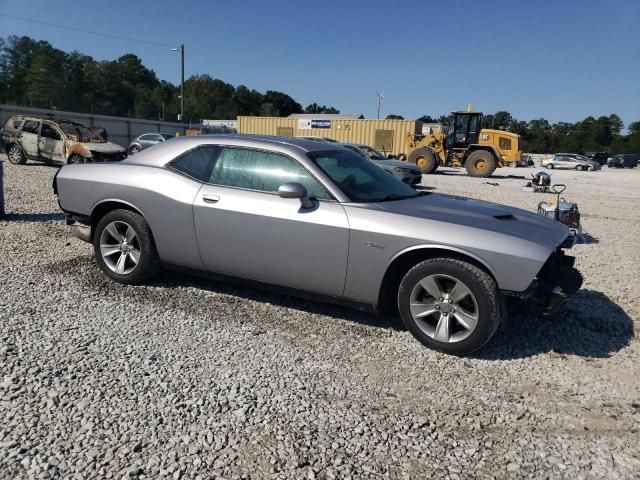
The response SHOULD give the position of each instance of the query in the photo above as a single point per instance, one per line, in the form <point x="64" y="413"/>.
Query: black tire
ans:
<point x="480" y="163"/>
<point x="149" y="262"/>
<point x="16" y="155"/>
<point x="402" y="157"/>
<point x="579" y="168"/>
<point x="134" y="149"/>
<point x="479" y="283"/>
<point x="75" y="159"/>
<point x="425" y="158"/>
<point x="549" y="166"/>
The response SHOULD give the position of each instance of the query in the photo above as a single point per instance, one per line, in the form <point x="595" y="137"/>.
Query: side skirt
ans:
<point x="269" y="287"/>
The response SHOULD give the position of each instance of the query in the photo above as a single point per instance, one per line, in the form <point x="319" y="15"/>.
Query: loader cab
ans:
<point x="465" y="129"/>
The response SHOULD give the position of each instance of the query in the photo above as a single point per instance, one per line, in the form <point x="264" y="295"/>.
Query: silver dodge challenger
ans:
<point x="316" y="219"/>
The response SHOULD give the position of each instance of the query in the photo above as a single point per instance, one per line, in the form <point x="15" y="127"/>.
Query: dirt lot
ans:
<point x="195" y="379"/>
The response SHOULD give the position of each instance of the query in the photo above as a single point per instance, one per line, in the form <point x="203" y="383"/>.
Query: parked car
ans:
<point x="570" y="161"/>
<point x="525" y="161"/>
<point x="623" y="160"/>
<point x="147" y="140"/>
<point x="403" y="171"/>
<point x="319" y="139"/>
<point x="306" y="216"/>
<point x="600" y="157"/>
<point x="55" y="141"/>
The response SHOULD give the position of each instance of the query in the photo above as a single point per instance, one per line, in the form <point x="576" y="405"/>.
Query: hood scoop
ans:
<point x="505" y="216"/>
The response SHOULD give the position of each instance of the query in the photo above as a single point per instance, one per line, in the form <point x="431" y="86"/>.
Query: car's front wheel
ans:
<point x="16" y="155"/>
<point x="134" y="149"/>
<point x="124" y="247"/>
<point x="549" y="165"/>
<point x="449" y="305"/>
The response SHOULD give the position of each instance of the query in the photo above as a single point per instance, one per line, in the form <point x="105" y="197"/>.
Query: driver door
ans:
<point x="50" y="143"/>
<point x="246" y="230"/>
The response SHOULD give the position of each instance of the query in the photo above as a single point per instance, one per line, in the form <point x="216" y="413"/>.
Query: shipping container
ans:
<point x="388" y="136"/>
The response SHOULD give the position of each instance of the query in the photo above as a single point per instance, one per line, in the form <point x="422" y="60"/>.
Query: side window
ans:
<point x="263" y="171"/>
<point x="197" y="163"/>
<point x="31" y="126"/>
<point x="155" y="138"/>
<point x="505" y="143"/>
<point x="49" y="132"/>
<point x="146" y="137"/>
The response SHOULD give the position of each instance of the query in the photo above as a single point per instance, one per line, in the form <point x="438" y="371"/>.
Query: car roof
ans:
<point x="164" y="152"/>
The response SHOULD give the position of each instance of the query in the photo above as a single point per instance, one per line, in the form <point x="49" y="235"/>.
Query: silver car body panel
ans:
<point x="339" y="248"/>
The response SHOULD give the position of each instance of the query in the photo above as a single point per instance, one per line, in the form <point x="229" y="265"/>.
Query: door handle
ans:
<point x="210" y="198"/>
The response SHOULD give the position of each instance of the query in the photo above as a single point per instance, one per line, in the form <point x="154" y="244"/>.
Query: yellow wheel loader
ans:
<point x="478" y="150"/>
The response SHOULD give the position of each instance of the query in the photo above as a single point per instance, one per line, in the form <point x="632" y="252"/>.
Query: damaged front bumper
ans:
<point x="556" y="282"/>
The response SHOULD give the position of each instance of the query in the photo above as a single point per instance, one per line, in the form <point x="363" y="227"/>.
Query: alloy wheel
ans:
<point x="120" y="247"/>
<point x="14" y="154"/>
<point x="444" y="308"/>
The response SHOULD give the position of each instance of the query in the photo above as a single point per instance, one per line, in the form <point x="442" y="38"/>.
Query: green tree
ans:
<point x="281" y="103"/>
<point x="427" y="119"/>
<point x="315" y="108"/>
<point x="395" y="117"/>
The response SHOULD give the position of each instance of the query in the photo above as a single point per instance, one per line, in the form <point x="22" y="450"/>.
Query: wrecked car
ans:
<point x="313" y="217"/>
<point x="55" y="141"/>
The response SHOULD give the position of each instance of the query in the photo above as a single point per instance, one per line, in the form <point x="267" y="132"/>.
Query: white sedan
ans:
<point x="560" y="160"/>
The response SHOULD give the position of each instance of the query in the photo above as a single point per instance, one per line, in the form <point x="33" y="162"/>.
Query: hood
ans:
<point x="106" y="147"/>
<point x="396" y="163"/>
<point x="481" y="215"/>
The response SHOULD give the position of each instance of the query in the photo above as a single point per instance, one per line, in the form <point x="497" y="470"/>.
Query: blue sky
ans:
<point x="561" y="60"/>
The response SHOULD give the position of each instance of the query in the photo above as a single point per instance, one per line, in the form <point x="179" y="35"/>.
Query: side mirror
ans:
<point x="295" y="190"/>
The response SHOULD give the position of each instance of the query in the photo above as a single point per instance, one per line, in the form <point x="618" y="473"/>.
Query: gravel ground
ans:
<point x="185" y="378"/>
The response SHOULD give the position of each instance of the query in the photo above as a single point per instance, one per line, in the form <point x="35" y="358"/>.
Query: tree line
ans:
<point x="34" y="73"/>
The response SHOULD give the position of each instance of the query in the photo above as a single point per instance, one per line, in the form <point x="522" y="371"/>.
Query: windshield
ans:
<point x="79" y="133"/>
<point x="359" y="179"/>
<point x="372" y="153"/>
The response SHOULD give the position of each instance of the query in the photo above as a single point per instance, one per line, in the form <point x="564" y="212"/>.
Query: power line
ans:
<point x="65" y="27"/>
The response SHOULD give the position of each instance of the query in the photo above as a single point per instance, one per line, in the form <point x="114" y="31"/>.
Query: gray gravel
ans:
<point x="185" y="378"/>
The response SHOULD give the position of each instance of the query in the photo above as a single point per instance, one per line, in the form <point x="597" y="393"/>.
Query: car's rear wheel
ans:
<point x="579" y="168"/>
<point x="449" y="305"/>
<point x="76" y="158"/>
<point x="16" y="155"/>
<point x="124" y="247"/>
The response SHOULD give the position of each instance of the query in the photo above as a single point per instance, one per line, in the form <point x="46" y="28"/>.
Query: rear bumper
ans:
<point x="80" y="227"/>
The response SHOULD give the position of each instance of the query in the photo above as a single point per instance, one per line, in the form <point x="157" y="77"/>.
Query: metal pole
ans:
<point x="182" y="83"/>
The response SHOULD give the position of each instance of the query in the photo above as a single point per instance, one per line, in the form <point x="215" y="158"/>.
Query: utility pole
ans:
<point x="182" y="83"/>
<point x="380" y="97"/>
<point x="181" y="50"/>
